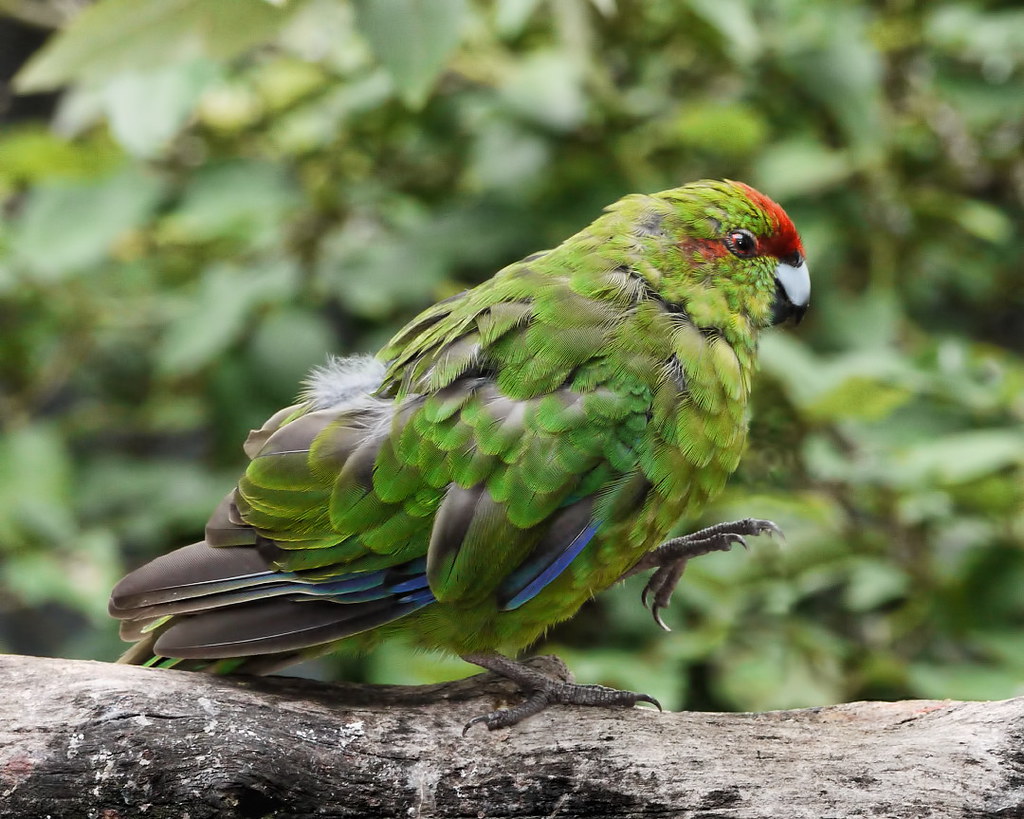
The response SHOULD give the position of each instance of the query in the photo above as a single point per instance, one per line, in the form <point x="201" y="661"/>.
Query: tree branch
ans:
<point x="94" y="739"/>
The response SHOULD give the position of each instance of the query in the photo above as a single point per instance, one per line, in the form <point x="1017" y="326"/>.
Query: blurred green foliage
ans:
<point x="223" y="197"/>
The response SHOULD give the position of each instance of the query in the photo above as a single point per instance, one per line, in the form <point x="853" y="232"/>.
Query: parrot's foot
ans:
<point x="542" y="691"/>
<point x="669" y="559"/>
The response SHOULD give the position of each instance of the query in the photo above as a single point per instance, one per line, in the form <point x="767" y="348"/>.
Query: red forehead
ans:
<point x="783" y="240"/>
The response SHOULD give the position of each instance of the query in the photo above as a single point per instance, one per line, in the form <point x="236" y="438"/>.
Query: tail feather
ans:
<point x="198" y="570"/>
<point x="226" y="527"/>
<point x="210" y="603"/>
<point x="272" y="626"/>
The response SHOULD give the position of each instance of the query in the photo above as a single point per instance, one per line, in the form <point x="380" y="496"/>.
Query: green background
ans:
<point x="229" y="189"/>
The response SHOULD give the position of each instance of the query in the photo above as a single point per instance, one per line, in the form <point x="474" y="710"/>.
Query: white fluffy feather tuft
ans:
<point x="343" y="381"/>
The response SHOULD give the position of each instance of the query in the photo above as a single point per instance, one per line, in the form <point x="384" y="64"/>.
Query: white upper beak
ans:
<point x="796" y="282"/>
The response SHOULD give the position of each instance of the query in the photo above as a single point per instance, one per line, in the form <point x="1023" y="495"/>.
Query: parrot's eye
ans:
<point x="741" y="243"/>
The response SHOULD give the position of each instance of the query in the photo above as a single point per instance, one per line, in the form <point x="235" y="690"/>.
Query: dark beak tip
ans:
<point x="783" y="310"/>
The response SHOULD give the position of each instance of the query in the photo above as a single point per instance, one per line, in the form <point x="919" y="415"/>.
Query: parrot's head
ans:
<point x="737" y="247"/>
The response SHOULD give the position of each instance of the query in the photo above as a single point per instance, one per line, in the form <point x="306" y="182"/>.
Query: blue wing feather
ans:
<point x="518" y="590"/>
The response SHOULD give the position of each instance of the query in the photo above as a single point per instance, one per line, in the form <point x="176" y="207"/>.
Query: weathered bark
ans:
<point x="93" y="739"/>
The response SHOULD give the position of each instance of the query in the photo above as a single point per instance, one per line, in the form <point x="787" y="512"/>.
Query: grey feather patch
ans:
<point x="342" y="382"/>
<point x="649" y="225"/>
<point x="225" y="527"/>
<point x="273" y="625"/>
<point x="258" y="437"/>
<point x="298" y="435"/>
<point x="450" y="527"/>
<point x="192" y="571"/>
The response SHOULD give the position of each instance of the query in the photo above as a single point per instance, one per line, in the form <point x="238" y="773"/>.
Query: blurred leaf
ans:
<point x="66" y="575"/>
<point x="959" y="458"/>
<point x="984" y="221"/>
<point x="287" y="344"/>
<point x="149" y="500"/>
<point x="512" y="16"/>
<point x="858" y="397"/>
<point x="148" y="108"/>
<point x="213" y="318"/>
<point x="115" y="36"/>
<point x="372" y="279"/>
<point x="731" y="130"/>
<point x="867" y="385"/>
<point x="798" y="673"/>
<point x="412" y="38"/>
<point x="839" y="66"/>
<point x="1007" y="645"/>
<point x="31" y="155"/>
<point x="795" y="167"/>
<point x="324" y="32"/>
<point x="870" y="321"/>
<point x="241" y="199"/>
<point x="874" y="583"/>
<point x="545" y="88"/>
<point x="283" y="82"/>
<point x="67" y="227"/>
<point x="733" y="20"/>
<point x="35" y="482"/>
<point x="505" y="157"/>
<point x="966" y="681"/>
<point x="314" y="126"/>
<point x="981" y="34"/>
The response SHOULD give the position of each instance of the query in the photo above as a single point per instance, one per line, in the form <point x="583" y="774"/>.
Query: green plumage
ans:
<point x="592" y="394"/>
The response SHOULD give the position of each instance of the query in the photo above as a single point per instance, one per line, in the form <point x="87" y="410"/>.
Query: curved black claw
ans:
<point x="671" y="557"/>
<point x="657" y="594"/>
<point x="544" y="691"/>
<point x="656" y="614"/>
<point x="756" y="526"/>
<point x="747" y="526"/>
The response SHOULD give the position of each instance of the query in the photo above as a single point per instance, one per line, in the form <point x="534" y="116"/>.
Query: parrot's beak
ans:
<point x="792" y="292"/>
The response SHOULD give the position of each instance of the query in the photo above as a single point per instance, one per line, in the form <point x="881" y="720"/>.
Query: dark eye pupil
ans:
<point x="742" y="243"/>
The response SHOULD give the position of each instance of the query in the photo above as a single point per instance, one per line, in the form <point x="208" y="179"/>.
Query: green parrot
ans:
<point x="513" y="451"/>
